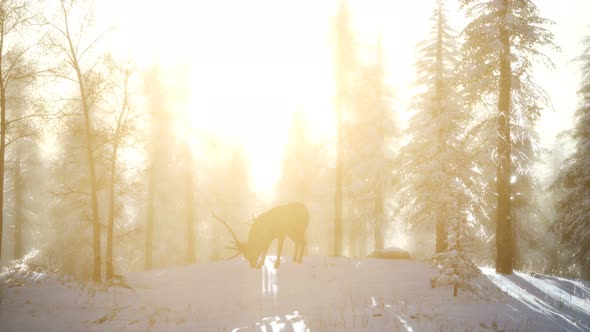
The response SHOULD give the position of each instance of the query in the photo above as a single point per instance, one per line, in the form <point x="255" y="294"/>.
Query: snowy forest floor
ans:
<point x="322" y="294"/>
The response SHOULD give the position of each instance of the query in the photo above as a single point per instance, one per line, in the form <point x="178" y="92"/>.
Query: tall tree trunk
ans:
<point x="441" y="232"/>
<point x="379" y="215"/>
<point x="3" y="127"/>
<point x="379" y="192"/>
<point x="18" y="206"/>
<point x="149" y="232"/>
<point x="504" y="241"/>
<point x="113" y="179"/>
<point x="441" y="222"/>
<point x="338" y="192"/>
<point x="88" y="133"/>
<point x="96" y="229"/>
<point x="190" y="208"/>
<point x="353" y="238"/>
<point x="341" y="78"/>
<point x="112" y="207"/>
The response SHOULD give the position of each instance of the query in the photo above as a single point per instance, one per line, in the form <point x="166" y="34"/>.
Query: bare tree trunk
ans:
<point x="340" y="102"/>
<point x="96" y="231"/>
<point x="151" y="197"/>
<point x="504" y="241"/>
<point x="18" y="207"/>
<point x="149" y="232"/>
<point x="88" y="130"/>
<point x="353" y="235"/>
<point x="338" y="192"/>
<point x="379" y="192"/>
<point x="112" y="207"/>
<point x="113" y="179"/>
<point x="190" y="209"/>
<point x="3" y="127"/>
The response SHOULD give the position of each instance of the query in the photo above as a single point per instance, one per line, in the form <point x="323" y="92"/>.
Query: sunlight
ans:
<point x="250" y="71"/>
<point x="533" y="293"/>
<point x="270" y="284"/>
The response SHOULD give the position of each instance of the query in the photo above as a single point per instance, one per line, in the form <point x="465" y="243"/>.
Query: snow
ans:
<point x="322" y="294"/>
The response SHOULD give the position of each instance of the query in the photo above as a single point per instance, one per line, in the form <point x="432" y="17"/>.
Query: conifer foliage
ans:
<point x="433" y="162"/>
<point x="457" y="268"/>
<point x="573" y="208"/>
<point x="501" y="44"/>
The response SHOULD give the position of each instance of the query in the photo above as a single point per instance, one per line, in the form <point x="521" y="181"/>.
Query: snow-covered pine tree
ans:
<point x="573" y="207"/>
<point x="299" y="170"/>
<point x="435" y="158"/>
<point x="501" y="44"/>
<point x="369" y="129"/>
<point x="456" y="267"/>
<point x="227" y="183"/>
<point x="305" y="179"/>
<point x="344" y="67"/>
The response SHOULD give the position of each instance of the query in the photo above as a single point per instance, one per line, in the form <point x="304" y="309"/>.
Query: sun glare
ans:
<point x="253" y="64"/>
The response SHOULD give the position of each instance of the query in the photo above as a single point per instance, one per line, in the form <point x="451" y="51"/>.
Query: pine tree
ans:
<point x="344" y="68"/>
<point x="369" y="129"/>
<point x="304" y="179"/>
<point x="228" y="193"/>
<point x="573" y="208"/>
<point x="158" y="124"/>
<point x="457" y="268"/>
<point x="434" y="159"/>
<point x="297" y="180"/>
<point x="501" y="43"/>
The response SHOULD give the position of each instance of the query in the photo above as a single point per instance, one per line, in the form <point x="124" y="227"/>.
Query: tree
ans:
<point x="25" y="187"/>
<point x="573" y="208"/>
<point x="434" y="163"/>
<point x="344" y="66"/>
<point x="368" y="132"/>
<point x="501" y="43"/>
<point x="229" y="193"/>
<point x="158" y="125"/>
<point x="191" y="211"/>
<point x="457" y="269"/>
<point x="305" y="179"/>
<point x="297" y="180"/>
<point x="70" y="44"/>
<point x="16" y="19"/>
<point x="120" y="128"/>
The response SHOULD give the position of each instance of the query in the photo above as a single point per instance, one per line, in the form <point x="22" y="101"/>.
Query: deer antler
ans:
<point x="228" y="228"/>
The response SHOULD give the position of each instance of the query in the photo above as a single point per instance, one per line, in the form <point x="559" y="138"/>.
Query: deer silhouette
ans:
<point x="289" y="220"/>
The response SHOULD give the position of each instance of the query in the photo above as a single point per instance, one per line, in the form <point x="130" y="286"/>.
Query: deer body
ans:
<point x="289" y="220"/>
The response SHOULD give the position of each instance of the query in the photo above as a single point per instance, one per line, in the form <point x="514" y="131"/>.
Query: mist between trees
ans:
<point x="105" y="168"/>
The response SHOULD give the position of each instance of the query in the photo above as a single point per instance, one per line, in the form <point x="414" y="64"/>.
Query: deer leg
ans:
<point x="300" y="253"/>
<point x="296" y="253"/>
<point x="262" y="258"/>
<point x="279" y="250"/>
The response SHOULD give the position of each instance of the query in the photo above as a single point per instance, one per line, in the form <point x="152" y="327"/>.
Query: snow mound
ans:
<point x="390" y="253"/>
<point x="322" y="294"/>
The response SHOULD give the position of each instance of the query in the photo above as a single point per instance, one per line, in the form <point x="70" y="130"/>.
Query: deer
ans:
<point x="289" y="220"/>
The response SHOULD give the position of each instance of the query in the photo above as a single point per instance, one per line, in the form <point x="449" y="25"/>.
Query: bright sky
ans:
<point x="253" y="63"/>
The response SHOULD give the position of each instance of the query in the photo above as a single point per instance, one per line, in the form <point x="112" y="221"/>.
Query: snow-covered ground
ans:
<point x="322" y="294"/>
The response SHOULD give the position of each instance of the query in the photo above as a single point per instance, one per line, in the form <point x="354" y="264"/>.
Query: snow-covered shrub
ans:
<point x="456" y="268"/>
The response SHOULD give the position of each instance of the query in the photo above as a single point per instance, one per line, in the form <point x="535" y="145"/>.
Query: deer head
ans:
<point x="288" y="220"/>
